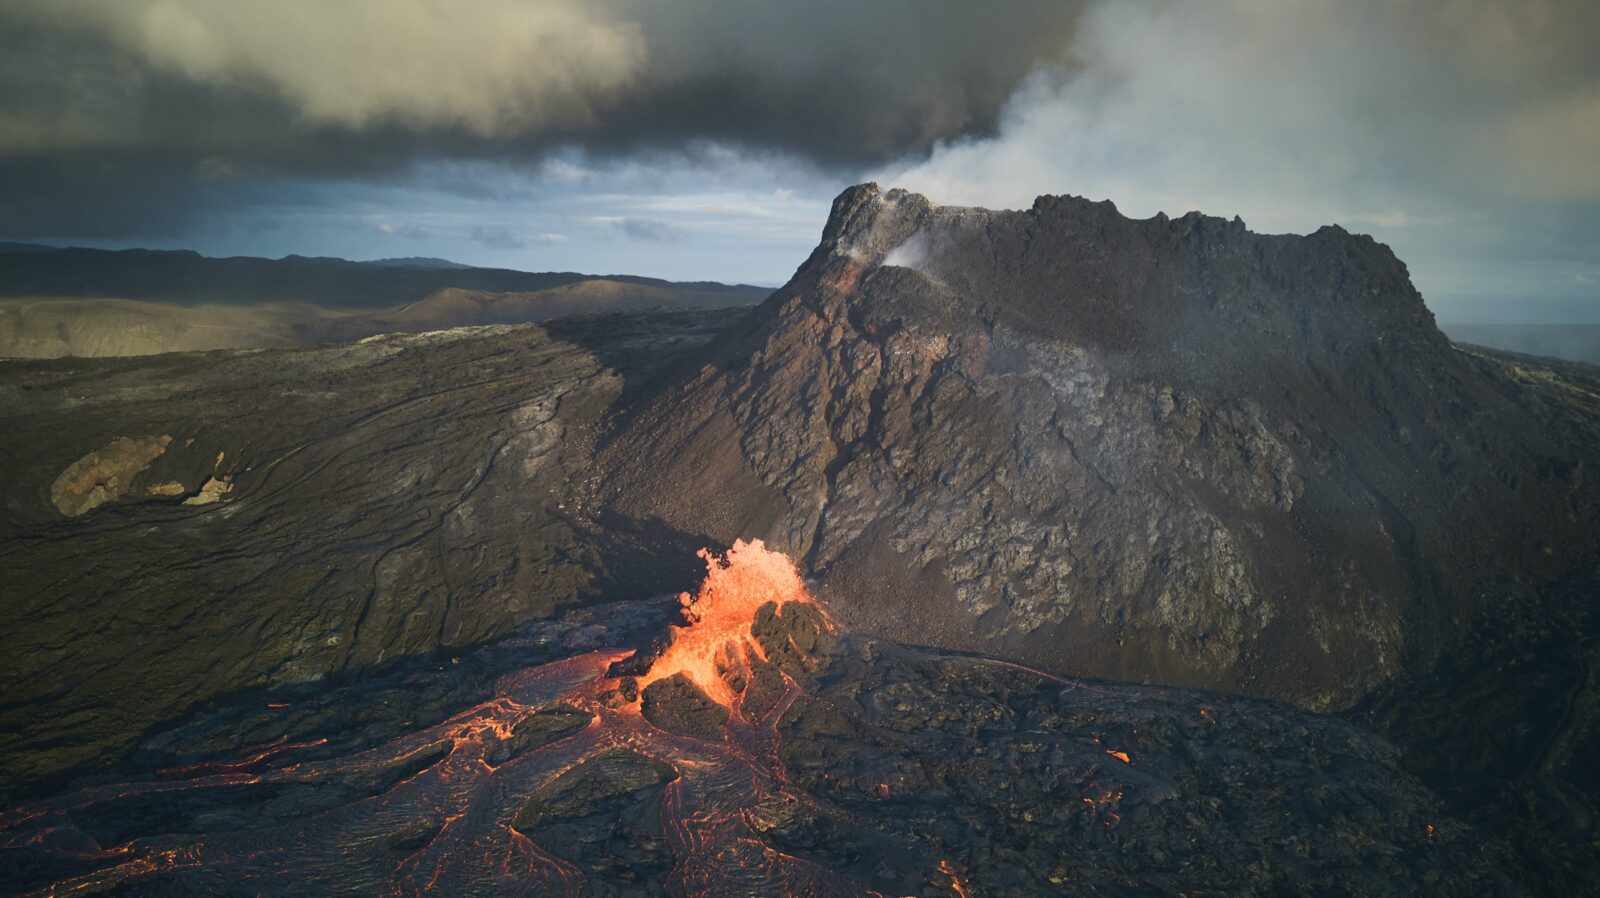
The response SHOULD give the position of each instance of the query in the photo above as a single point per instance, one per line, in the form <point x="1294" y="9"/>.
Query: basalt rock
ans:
<point x="677" y="705"/>
<point x="1168" y="450"/>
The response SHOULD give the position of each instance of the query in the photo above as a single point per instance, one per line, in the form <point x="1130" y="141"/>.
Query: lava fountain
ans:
<point x="717" y="638"/>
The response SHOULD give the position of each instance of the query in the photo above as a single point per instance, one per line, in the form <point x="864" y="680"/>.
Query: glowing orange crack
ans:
<point x="957" y="884"/>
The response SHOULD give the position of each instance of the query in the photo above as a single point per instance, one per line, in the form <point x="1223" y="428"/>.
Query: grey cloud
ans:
<point x="504" y="237"/>
<point x="651" y="230"/>
<point x="832" y="78"/>
<point x="99" y="101"/>
<point x="487" y="67"/>
<point x="497" y="237"/>
<point x="408" y="231"/>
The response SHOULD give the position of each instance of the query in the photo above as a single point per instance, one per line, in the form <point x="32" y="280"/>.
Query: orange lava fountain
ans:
<point x="720" y="613"/>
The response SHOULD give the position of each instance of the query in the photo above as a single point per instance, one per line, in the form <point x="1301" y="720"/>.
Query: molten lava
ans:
<point x="457" y="825"/>
<point x="553" y="782"/>
<point x="717" y="638"/>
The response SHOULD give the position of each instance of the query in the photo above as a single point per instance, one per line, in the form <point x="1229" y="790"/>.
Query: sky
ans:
<point x="705" y="139"/>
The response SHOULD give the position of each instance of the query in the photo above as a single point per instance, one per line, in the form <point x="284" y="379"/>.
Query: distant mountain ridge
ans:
<point x="185" y="277"/>
<point x="1573" y="342"/>
<point x="89" y="302"/>
<point x="416" y="262"/>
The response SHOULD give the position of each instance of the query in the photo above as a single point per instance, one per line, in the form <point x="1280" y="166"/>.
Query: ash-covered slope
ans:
<point x="1168" y="450"/>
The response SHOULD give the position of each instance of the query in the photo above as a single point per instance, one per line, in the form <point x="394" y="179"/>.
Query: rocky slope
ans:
<point x="1163" y="450"/>
<point x="1169" y="451"/>
<point x="181" y="526"/>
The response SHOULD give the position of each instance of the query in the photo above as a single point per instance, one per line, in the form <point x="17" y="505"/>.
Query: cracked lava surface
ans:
<point x="755" y="752"/>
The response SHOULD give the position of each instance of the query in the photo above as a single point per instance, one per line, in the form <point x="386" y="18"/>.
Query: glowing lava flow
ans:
<point x="452" y="825"/>
<point x="718" y="638"/>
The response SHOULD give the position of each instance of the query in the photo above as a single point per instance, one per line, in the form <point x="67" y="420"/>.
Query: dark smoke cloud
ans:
<point x="126" y="118"/>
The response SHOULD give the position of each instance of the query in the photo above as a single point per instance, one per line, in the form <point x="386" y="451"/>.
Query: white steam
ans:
<point x="911" y="254"/>
<point x="1411" y="119"/>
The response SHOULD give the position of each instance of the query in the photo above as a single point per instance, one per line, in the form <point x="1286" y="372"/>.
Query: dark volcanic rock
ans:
<point x="677" y="705"/>
<point x="1163" y="450"/>
<point x="393" y="497"/>
<point x="1507" y="730"/>
<point x="1169" y="451"/>
<point x="539" y="730"/>
<point x="1031" y="786"/>
<point x="897" y="770"/>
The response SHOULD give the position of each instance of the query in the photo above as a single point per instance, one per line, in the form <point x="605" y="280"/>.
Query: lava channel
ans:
<point x="463" y="806"/>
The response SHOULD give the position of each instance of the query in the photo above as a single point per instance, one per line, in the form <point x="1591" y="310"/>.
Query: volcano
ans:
<point x="1038" y="552"/>
<point x="1164" y="449"/>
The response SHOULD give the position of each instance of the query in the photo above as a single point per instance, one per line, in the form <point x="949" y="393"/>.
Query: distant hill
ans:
<point x="188" y="278"/>
<point x="87" y="302"/>
<point x="1573" y="342"/>
<point x="416" y="262"/>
